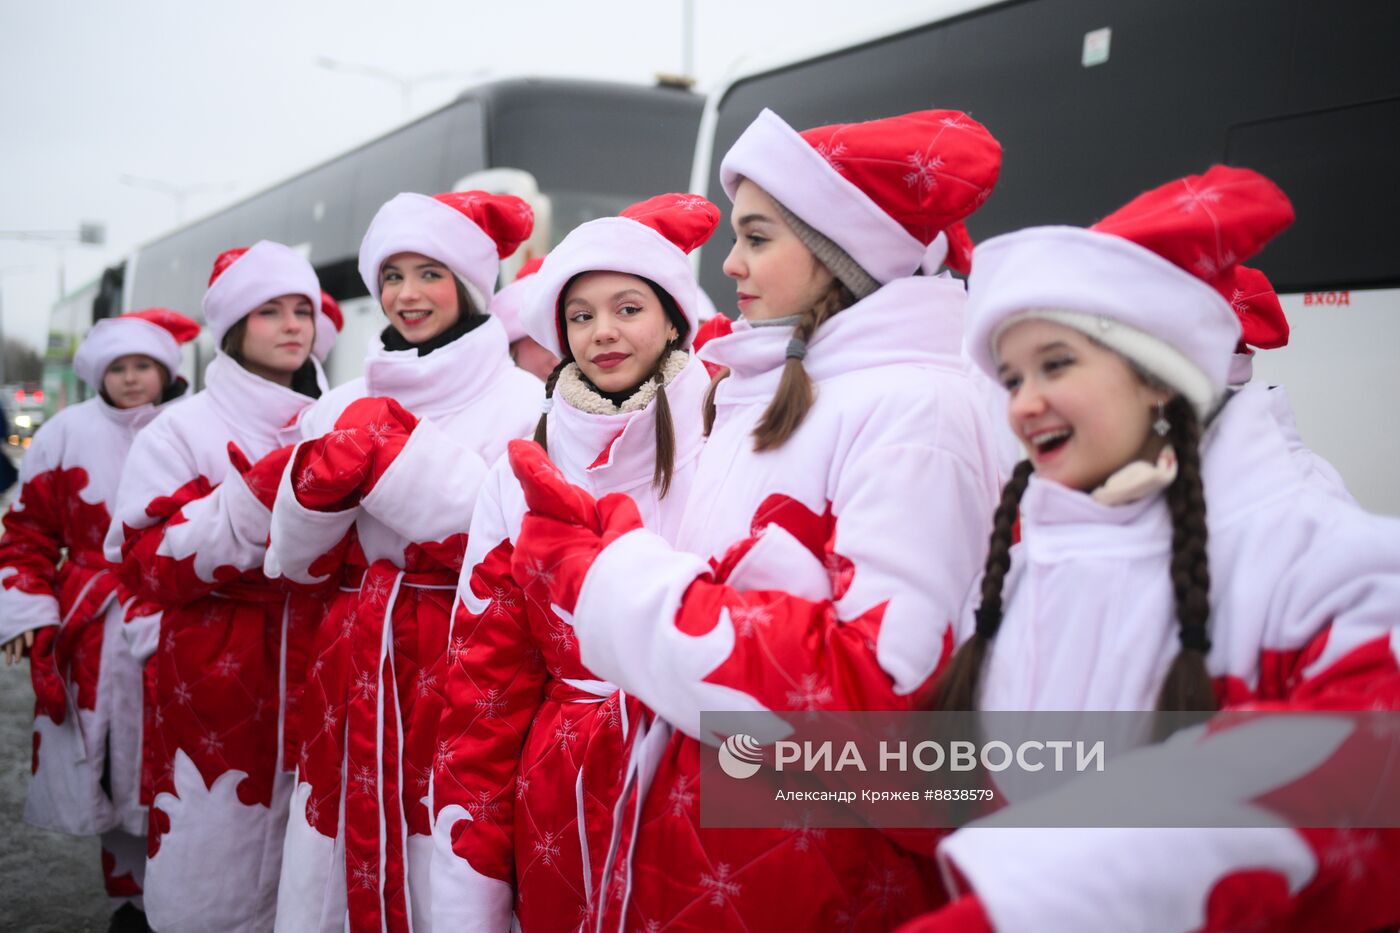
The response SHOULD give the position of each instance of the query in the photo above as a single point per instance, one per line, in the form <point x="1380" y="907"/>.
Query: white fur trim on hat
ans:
<point x="416" y="223"/>
<point x="609" y="244"/>
<point x="268" y="270"/>
<point x="112" y="338"/>
<point x="773" y="156"/>
<point x="1162" y="317"/>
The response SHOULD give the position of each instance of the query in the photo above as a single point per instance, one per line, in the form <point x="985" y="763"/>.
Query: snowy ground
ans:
<point x="51" y="883"/>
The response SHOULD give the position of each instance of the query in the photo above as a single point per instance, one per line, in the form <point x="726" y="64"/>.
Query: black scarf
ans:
<point x="465" y="324"/>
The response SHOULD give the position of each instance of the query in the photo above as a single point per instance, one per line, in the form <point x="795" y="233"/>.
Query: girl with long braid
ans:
<point x="1174" y="555"/>
<point x="617" y="302"/>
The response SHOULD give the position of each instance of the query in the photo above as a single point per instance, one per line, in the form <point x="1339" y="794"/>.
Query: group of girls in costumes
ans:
<point x="429" y="650"/>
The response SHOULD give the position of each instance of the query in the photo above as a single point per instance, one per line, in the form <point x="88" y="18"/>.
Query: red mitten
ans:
<point x="564" y="530"/>
<point x="547" y="493"/>
<point x="386" y="425"/>
<point x="263" y="477"/>
<point x="965" y="915"/>
<point x="336" y="470"/>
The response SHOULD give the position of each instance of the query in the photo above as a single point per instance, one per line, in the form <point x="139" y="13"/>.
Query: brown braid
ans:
<point x="709" y="410"/>
<point x="795" y="395"/>
<point x="1188" y="685"/>
<point x="956" y="688"/>
<point x="665" y="430"/>
<point x="542" y="428"/>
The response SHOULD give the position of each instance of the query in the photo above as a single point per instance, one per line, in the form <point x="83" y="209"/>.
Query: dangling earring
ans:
<point x="1161" y="425"/>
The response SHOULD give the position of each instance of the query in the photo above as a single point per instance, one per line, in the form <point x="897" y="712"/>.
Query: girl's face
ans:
<point x="278" y="337"/>
<point x="1079" y="408"/>
<point x="133" y="380"/>
<point x="419" y="296"/>
<point x="776" y="274"/>
<point x="616" y="328"/>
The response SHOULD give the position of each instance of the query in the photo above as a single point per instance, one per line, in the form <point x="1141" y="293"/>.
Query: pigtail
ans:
<point x="542" y="428"/>
<point x="665" y="432"/>
<point x="1188" y="685"/>
<point x="956" y="688"/>
<point x="795" y="394"/>
<point x="709" y="408"/>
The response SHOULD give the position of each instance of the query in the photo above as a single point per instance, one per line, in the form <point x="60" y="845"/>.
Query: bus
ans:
<point x="576" y="149"/>
<point x="1095" y="101"/>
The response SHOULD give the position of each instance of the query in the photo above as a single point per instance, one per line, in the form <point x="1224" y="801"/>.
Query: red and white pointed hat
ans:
<point x="651" y="239"/>
<point x="1145" y="281"/>
<point x="470" y="232"/>
<point x="248" y="276"/>
<point x="1263" y="324"/>
<point x="892" y="193"/>
<point x="329" y="323"/>
<point x="505" y="307"/>
<point x="154" y="332"/>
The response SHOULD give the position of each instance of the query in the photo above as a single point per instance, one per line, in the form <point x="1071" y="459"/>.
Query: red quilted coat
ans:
<point x="87" y="682"/>
<point x="378" y="502"/>
<point x="190" y="535"/>
<point x="511" y="806"/>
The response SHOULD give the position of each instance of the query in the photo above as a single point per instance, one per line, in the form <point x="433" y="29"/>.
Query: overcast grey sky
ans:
<point x="228" y="94"/>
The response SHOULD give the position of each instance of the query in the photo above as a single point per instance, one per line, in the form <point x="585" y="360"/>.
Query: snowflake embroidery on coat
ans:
<point x="883" y="889"/>
<point x="522" y="787"/>
<point x="547" y="847"/>
<point x="483" y="808"/>
<point x="1350" y="852"/>
<point x="491" y="704"/>
<point x="804" y="833"/>
<point x="421" y="778"/>
<point x="442" y="758"/>
<point x="313" y="811"/>
<point x="502" y="602"/>
<point x="426" y="683"/>
<point x="364" y="779"/>
<point x="721" y="885"/>
<point x="343" y="436"/>
<point x="1237" y="301"/>
<point x="833" y="155"/>
<point x="210" y="616"/>
<point x="227" y="665"/>
<point x="561" y="635"/>
<point x="681" y="796"/>
<point x="810" y="694"/>
<point x="565" y="733"/>
<point x="376" y="589"/>
<point x="748" y="619"/>
<point x="538" y="572"/>
<point x="211" y="744"/>
<point x="364" y="876"/>
<point x="306" y="480"/>
<point x="328" y="721"/>
<point x="366" y="685"/>
<point x="922" y="176"/>
<point x="458" y="650"/>
<point x="692" y="202"/>
<point x="152" y="579"/>
<point x="182" y="693"/>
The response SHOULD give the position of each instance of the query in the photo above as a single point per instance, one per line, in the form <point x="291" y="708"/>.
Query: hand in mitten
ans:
<point x="335" y="471"/>
<point x="263" y="477"/>
<point x="565" y="529"/>
<point x="965" y="915"/>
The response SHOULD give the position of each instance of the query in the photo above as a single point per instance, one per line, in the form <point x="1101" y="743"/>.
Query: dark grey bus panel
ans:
<point x="1182" y="80"/>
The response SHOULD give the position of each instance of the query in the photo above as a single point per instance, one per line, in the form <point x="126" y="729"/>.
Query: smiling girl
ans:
<point x="65" y="610"/>
<point x="190" y="533"/>
<point x="1174" y="555"/>
<point x="377" y="503"/>
<point x="617" y="301"/>
<point x="834" y="524"/>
